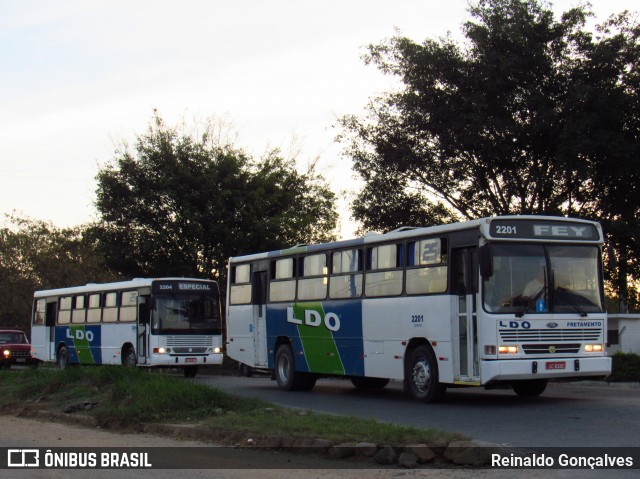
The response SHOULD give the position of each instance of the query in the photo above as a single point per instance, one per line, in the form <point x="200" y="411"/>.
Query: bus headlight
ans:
<point x="6" y="353"/>
<point x="593" y="348"/>
<point x="159" y="351"/>
<point x="217" y="350"/>
<point x="508" y="349"/>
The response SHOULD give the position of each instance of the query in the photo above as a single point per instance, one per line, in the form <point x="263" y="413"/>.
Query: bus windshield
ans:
<point x="185" y="314"/>
<point x="543" y="279"/>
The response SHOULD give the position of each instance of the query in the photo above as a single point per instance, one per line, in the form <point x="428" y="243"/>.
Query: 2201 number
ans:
<point x="506" y="230"/>
<point x="417" y="318"/>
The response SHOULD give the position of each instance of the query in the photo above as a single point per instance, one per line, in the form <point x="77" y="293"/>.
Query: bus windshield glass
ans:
<point x="543" y="279"/>
<point x="185" y="314"/>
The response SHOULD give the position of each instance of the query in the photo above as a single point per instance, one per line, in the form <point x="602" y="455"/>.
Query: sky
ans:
<point x="78" y="78"/>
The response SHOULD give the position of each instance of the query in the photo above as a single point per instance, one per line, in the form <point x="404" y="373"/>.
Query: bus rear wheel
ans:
<point x="529" y="387"/>
<point x="421" y="376"/>
<point x="62" y="359"/>
<point x="286" y="375"/>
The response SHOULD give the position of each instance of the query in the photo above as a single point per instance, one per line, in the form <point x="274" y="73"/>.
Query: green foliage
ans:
<point x="129" y="397"/>
<point x="626" y="367"/>
<point x="531" y="115"/>
<point x="36" y="255"/>
<point x="177" y="204"/>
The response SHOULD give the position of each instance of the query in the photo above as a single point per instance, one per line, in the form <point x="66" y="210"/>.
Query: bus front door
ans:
<point x="465" y="326"/>
<point x="50" y="331"/>
<point x="259" y="318"/>
<point x="144" y="317"/>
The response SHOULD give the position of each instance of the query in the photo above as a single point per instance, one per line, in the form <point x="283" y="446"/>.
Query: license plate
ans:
<point x="21" y="360"/>
<point x="191" y="360"/>
<point x="556" y="365"/>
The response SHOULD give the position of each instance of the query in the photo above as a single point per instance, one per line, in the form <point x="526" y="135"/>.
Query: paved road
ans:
<point x="566" y="415"/>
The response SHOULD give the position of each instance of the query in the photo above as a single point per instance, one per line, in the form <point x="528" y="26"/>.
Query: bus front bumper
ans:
<point x="171" y="360"/>
<point x="549" y="368"/>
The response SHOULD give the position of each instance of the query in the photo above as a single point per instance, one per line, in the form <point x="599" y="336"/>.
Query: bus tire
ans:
<point x="529" y="387"/>
<point x="421" y="376"/>
<point x="286" y="375"/>
<point x="369" y="383"/>
<point x="129" y="358"/>
<point x="190" y="371"/>
<point x="62" y="358"/>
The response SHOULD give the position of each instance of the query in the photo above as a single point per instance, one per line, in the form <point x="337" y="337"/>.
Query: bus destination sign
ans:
<point x="550" y="230"/>
<point x="175" y="286"/>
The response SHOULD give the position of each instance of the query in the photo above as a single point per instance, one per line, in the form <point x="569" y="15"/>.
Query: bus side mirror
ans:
<point x="486" y="261"/>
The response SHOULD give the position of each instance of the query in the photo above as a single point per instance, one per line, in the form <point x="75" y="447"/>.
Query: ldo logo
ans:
<point x="23" y="458"/>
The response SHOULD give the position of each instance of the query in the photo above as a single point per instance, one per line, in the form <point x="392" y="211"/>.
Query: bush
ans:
<point x="626" y="367"/>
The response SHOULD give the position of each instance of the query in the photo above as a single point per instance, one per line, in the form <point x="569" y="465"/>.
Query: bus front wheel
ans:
<point x="529" y="387"/>
<point x="421" y="376"/>
<point x="286" y="375"/>
<point x="62" y="359"/>
<point x="129" y="358"/>
<point x="190" y="371"/>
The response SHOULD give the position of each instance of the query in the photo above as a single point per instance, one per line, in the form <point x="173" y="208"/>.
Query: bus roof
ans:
<point x="116" y="286"/>
<point x="484" y="225"/>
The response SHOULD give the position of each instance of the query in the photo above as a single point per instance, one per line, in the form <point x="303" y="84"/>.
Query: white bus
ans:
<point x="167" y="322"/>
<point x="513" y="300"/>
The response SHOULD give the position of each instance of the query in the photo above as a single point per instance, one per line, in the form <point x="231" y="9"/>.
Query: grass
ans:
<point x="626" y="367"/>
<point x="132" y="397"/>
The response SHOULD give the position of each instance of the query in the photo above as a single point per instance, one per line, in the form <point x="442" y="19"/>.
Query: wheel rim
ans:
<point x="283" y="368"/>
<point x="421" y="375"/>
<point x="63" y="358"/>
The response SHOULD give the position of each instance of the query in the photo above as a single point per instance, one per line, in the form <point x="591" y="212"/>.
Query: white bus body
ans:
<point x="433" y="307"/>
<point x="165" y="322"/>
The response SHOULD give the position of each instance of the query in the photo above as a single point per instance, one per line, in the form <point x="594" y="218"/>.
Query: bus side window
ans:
<point x="128" y="306"/>
<point x="94" y="313"/>
<point x="240" y="284"/>
<point x="282" y="286"/>
<point x="385" y="270"/>
<point x="39" y="312"/>
<point x="426" y="268"/>
<point x="346" y="274"/>
<point x="110" y="309"/>
<point x="64" y="315"/>
<point x="79" y="313"/>
<point x="313" y="283"/>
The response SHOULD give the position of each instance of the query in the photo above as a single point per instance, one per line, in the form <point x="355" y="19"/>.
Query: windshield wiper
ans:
<point x="566" y="297"/>
<point x="525" y="310"/>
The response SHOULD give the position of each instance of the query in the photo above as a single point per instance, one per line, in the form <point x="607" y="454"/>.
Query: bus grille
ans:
<point x="543" y="348"/>
<point x="550" y="335"/>
<point x="189" y="342"/>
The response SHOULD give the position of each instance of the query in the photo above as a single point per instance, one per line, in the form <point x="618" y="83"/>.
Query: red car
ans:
<point x="15" y="348"/>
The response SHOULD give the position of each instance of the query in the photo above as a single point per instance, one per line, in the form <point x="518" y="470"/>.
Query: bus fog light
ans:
<point x="490" y="350"/>
<point x="508" y="349"/>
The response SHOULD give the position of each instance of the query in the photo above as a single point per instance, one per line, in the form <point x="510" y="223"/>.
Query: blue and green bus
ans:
<point x="513" y="300"/>
<point x="165" y="322"/>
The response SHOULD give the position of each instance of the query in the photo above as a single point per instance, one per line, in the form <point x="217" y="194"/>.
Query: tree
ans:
<point x="181" y="205"/>
<point x="532" y="115"/>
<point x="36" y="255"/>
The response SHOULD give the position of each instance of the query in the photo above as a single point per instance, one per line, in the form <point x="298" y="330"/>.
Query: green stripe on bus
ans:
<point x="82" y="345"/>
<point x="319" y="346"/>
